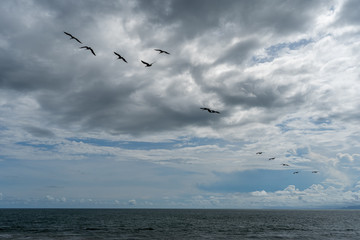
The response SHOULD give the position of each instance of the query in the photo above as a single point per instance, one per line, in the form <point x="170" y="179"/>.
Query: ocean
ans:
<point x="92" y="224"/>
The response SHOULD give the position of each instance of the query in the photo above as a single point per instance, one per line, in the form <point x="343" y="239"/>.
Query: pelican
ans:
<point x="89" y="48"/>
<point x="72" y="37"/>
<point x="120" y="57"/>
<point x="285" y="165"/>
<point x="147" y="64"/>
<point x="210" y="110"/>
<point x="272" y="158"/>
<point x="295" y="172"/>
<point x="259" y="153"/>
<point x="161" y="51"/>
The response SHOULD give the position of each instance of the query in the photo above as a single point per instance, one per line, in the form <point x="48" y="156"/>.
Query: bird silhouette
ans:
<point x="295" y="172"/>
<point x="89" y="48"/>
<point x="272" y="158"/>
<point x="259" y="153"/>
<point x="120" y="57"/>
<point x="147" y="64"/>
<point x="285" y="165"/>
<point x="72" y="37"/>
<point x="161" y="51"/>
<point x="210" y="110"/>
<point x="315" y="171"/>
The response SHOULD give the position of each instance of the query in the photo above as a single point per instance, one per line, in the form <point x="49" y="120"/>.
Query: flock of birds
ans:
<point x="149" y="65"/>
<point x="117" y="54"/>
<point x="284" y="164"/>
<point x="122" y="58"/>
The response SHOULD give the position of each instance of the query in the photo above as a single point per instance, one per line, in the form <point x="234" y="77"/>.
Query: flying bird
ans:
<point x="120" y="57"/>
<point x="272" y="158"/>
<point x="89" y="48"/>
<point x="161" y="51"/>
<point x="295" y="172"/>
<point x="259" y="153"/>
<point x="315" y="171"/>
<point x="72" y="37"/>
<point x="147" y="64"/>
<point x="285" y="165"/>
<point x="210" y="110"/>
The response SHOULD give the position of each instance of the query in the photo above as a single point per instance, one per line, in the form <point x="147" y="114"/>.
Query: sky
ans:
<point x="78" y="130"/>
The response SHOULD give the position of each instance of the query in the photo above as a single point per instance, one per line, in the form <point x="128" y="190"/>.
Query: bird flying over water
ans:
<point x="161" y="51"/>
<point x="120" y="57"/>
<point x="315" y="171"/>
<point x="89" y="48"/>
<point x="285" y="165"/>
<point x="259" y="153"/>
<point x="147" y="64"/>
<point x="295" y="172"/>
<point x="272" y="158"/>
<point x="210" y="110"/>
<point x="72" y="37"/>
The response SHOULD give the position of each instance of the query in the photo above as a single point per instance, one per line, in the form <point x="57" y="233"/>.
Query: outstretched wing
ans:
<point x="77" y="39"/>
<point x="117" y="54"/>
<point x="68" y="34"/>
<point x="92" y="51"/>
<point x="123" y="59"/>
<point x="144" y="62"/>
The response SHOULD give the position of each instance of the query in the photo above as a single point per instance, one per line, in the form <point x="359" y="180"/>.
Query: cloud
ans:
<point x="284" y="76"/>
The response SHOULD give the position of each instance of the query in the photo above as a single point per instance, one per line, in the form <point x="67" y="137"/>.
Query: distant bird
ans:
<point x="72" y="37"/>
<point x="147" y="64"/>
<point x="120" y="57"/>
<point x="295" y="172"/>
<point x="285" y="165"/>
<point x="89" y="48"/>
<point x="315" y="171"/>
<point x="161" y="51"/>
<point x="272" y="158"/>
<point x="210" y="110"/>
<point x="259" y="153"/>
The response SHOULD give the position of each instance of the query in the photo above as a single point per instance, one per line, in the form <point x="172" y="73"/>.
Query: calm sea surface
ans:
<point x="178" y="224"/>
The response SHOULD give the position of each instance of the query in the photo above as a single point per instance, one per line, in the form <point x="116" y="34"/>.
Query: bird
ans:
<point x="210" y="110"/>
<point x="147" y="64"/>
<point x="161" y="51"/>
<point x="120" y="57"/>
<point x="89" y="48"/>
<point x="315" y="171"/>
<point x="285" y="165"/>
<point x="72" y="37"/>
<point x="295" y="172"/>
<point x="272" y="158"/>
<point x="259" y="153"/>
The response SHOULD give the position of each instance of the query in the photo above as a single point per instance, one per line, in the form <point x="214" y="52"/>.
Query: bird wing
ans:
<point x="159" y="50"/>
<point x="144" y="62"/>
<point x="123" y="59"/>
<point x="92" y="51"/>
<point x="117" y="54"/>
<point x="85" y="47"/>
<point x="77" y="39"/>
<point x="68" y="34"/>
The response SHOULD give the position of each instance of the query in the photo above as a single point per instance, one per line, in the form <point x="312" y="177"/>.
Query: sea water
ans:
<point x="91" y="224"/>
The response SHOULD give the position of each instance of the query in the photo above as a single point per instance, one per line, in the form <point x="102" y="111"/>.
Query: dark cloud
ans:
<point x="39" y="132"/>
<point x="350" y="13"/>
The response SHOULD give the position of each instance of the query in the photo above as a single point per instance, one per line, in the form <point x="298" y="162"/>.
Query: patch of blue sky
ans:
<point x="321" y="124"/>
<point x="41" y="146"/>
<point x="272" y="52"/>
<point x="140" y="145"/>
<point x="258" y="180"/>
<point x="320" y="121"/>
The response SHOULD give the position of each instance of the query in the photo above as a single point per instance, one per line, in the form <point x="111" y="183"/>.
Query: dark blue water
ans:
<point x="178" y="224"/>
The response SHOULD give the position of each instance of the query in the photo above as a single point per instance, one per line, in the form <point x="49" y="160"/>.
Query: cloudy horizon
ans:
<point x="78" y="130"/>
